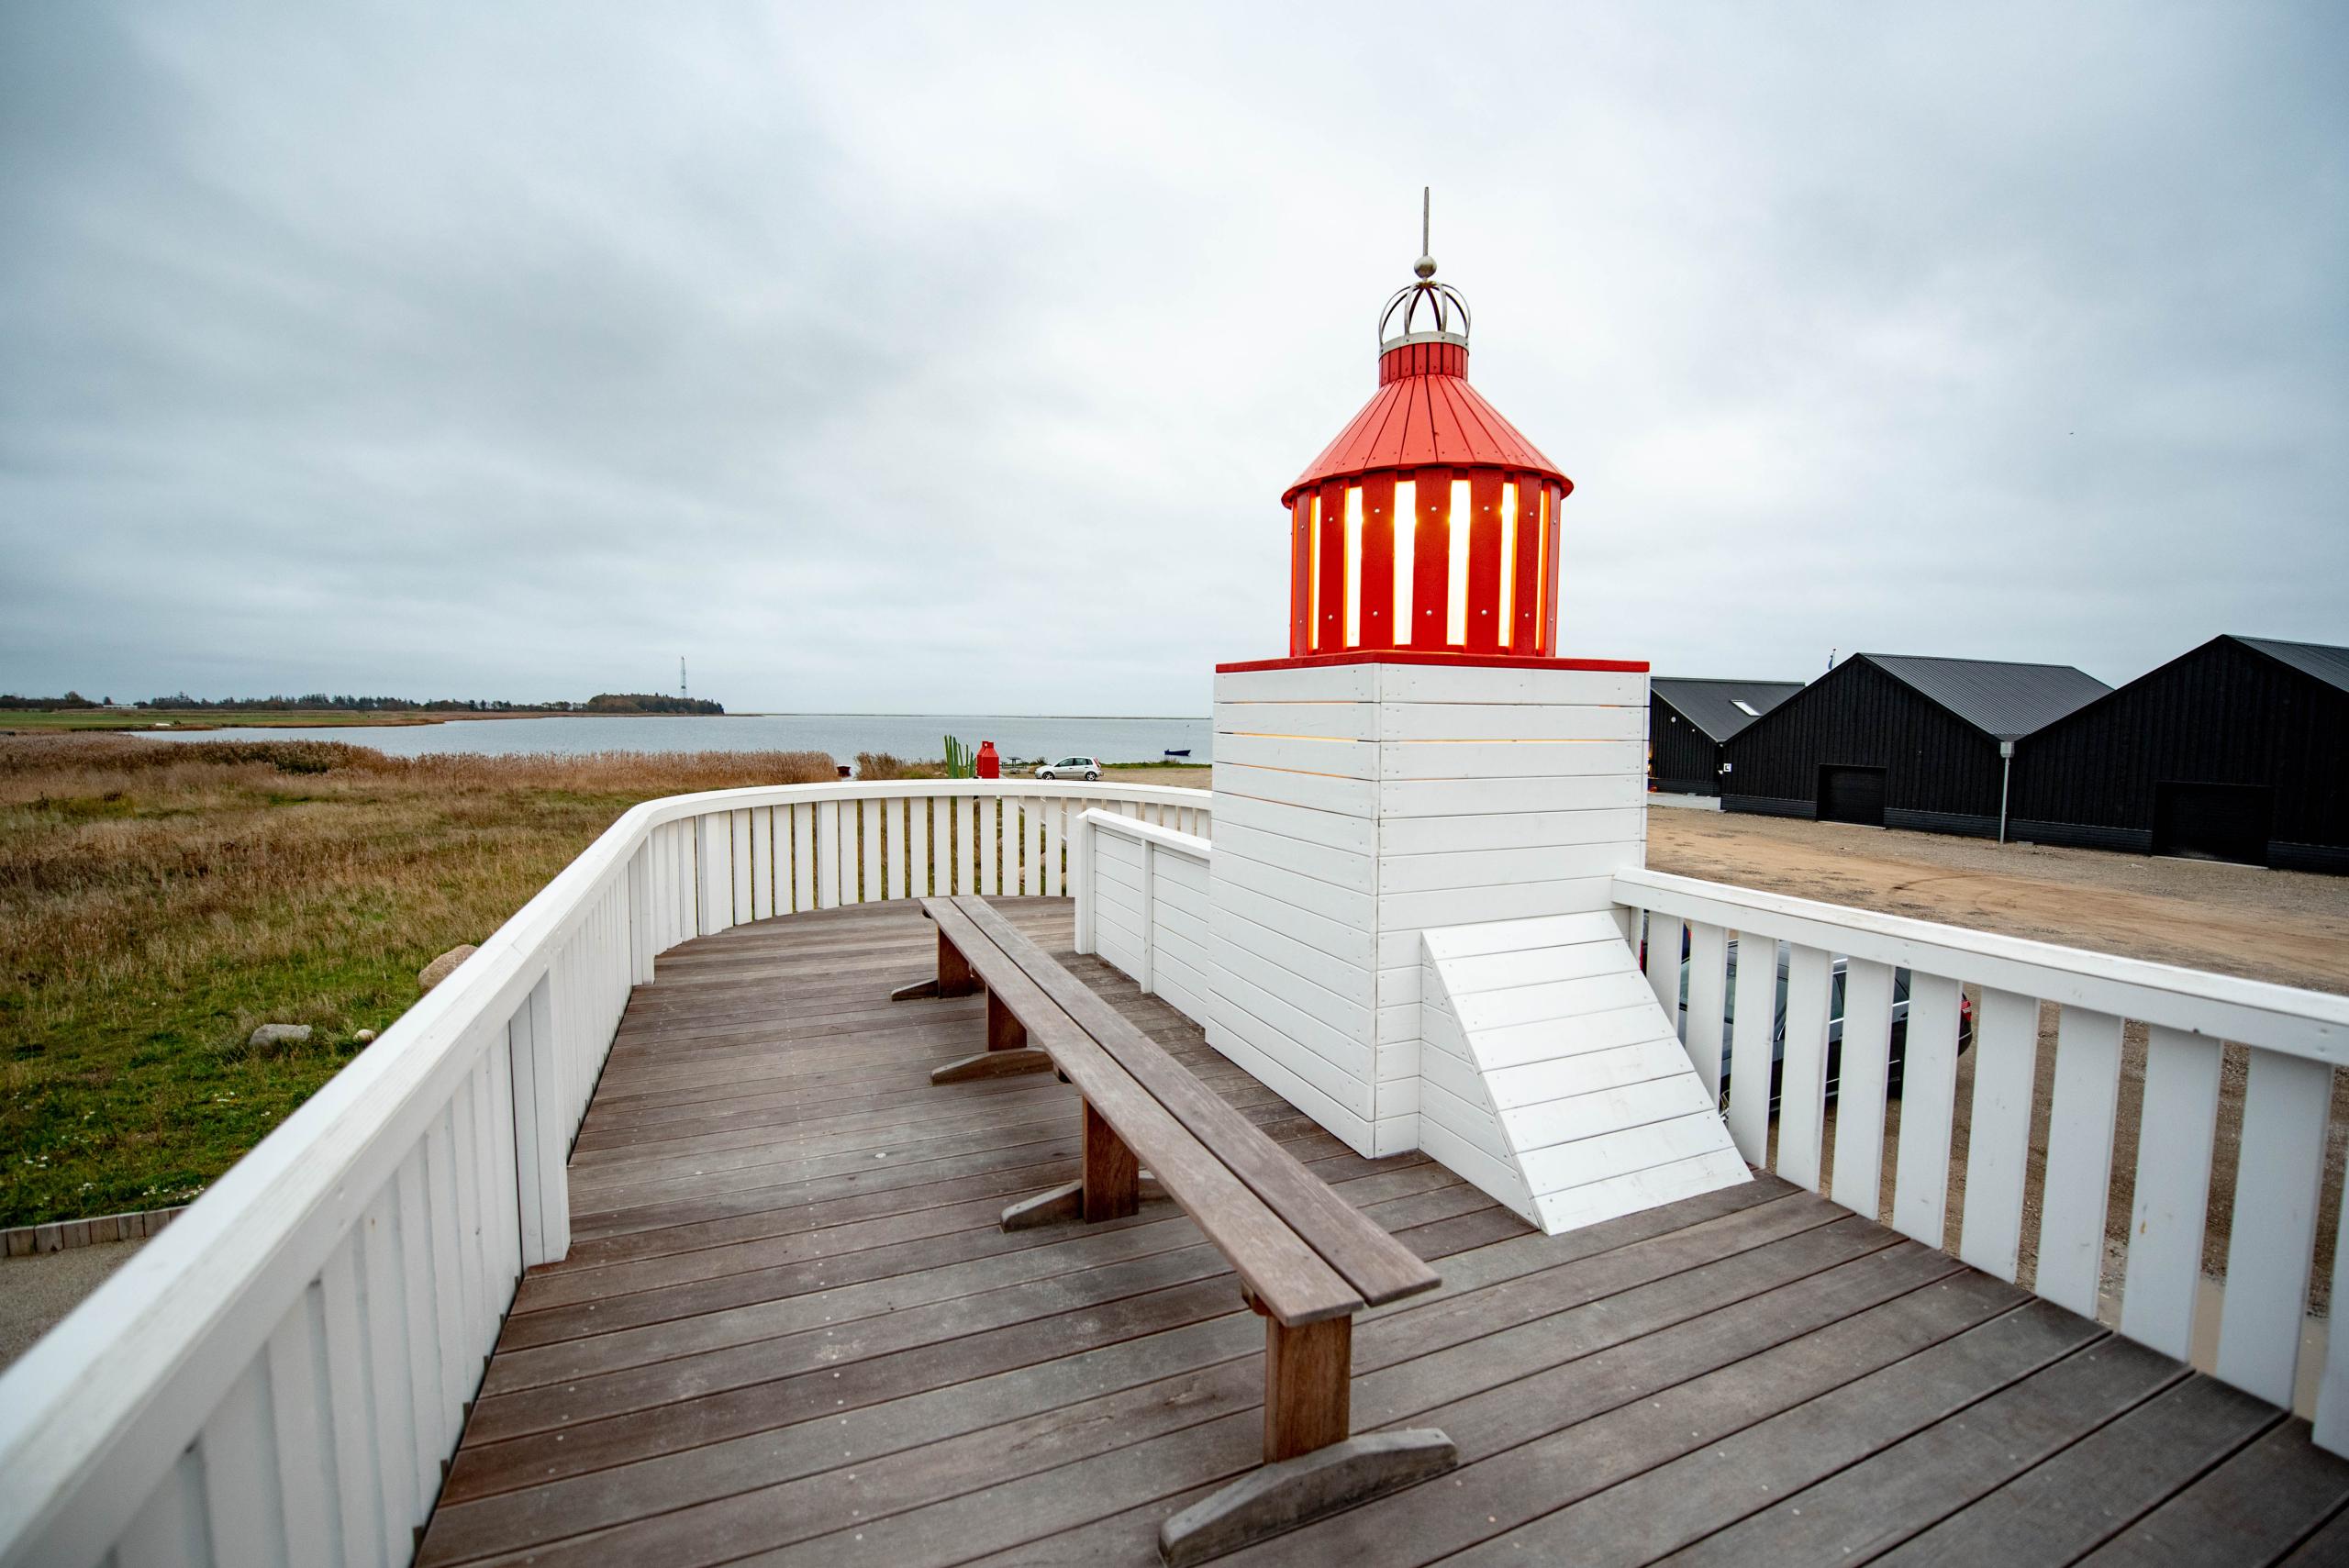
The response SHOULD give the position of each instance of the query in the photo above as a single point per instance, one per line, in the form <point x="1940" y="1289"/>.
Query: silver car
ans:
<point x="1085" y="768"/>
<point x="1899" y="1043"/>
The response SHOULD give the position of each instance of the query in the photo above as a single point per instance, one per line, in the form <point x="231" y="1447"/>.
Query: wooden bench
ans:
<point x="1307" y="1259"/>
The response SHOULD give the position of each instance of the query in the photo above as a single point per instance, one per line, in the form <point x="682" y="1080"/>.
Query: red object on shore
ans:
<point x="1430" y="523"/>
<point x="990" y="765"/>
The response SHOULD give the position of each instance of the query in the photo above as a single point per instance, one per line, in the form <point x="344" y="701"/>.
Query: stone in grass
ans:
<point x="277" y="1037"/>
<point x="441" y="968"/>
<point x="365" y="1037"/>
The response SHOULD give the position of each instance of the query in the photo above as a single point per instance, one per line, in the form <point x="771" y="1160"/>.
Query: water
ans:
<point x="915" y="736"/>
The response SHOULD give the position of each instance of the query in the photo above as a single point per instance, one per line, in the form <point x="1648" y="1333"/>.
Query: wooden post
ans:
<point x="955" y="976"/>
<point x="1112" y="1175"/>
<point x="1005" y="1032"/>
<point x="1308" y="1384"/>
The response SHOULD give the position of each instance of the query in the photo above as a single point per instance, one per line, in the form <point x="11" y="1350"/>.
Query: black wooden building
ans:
<point x="1896" y="741"/>
<point x="2237" y="751"/>
<point x="1688" y="720"/>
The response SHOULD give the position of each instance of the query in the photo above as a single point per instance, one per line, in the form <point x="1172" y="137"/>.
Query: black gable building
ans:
<point x="1891" y="741"/>
<point x="2237" y="751"/>
<point x="1689" y="719"/>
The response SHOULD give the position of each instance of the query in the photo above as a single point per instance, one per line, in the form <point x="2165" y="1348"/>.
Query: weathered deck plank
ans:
<point x="790" y="1330"/>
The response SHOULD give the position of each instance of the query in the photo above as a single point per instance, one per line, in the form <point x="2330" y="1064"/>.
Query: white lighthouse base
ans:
<point x="1411" y="927"/>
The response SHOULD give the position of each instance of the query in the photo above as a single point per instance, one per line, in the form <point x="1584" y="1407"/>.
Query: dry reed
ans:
<point x="158" y="899"/>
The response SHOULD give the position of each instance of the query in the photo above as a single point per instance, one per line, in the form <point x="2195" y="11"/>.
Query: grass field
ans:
<point x="156" y="903"/>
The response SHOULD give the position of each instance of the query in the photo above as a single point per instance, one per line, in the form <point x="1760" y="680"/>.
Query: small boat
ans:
<point x="1184" y="752"/>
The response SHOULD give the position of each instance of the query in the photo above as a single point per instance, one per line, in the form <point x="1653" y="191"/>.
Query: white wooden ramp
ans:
<point x="1550" y="1077"/>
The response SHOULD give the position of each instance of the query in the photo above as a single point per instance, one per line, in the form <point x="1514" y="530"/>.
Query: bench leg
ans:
<point x="955" y="976"/>
<point x="1007" y="1048"/>
<point x="1112" y="1175"/>
<point x="1311" y="1467"/>
<point x="1005" y="1032"/>
<point x="1308" y="1384"/>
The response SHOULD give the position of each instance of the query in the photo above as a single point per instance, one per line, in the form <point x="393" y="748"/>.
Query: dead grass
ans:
<point x="158" y="901"/>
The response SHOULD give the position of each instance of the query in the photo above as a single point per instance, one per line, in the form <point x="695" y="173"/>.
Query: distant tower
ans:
<point x="684" y="694"/>
<point x="1429" y="524"/>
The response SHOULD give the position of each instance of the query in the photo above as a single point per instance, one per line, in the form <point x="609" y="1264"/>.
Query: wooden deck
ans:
<point x="790" y="1330"/>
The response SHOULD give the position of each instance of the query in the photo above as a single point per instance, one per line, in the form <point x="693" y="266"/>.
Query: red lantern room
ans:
<point x="1429" y="524"/>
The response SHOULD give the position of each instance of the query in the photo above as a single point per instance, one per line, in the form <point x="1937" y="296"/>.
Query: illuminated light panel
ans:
<point x="1457" y="609"/>
<point x="1354" y="566"/>
<point x="1406" y="531"/>
<point x="1509" y="561"/>
<point x="1315" y="640"/>
<point x="1541" y="579"/>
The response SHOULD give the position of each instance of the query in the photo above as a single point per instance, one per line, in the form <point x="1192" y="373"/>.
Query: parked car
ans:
<point x="1085" y="768"/>
<point x="1834" y="1024"/>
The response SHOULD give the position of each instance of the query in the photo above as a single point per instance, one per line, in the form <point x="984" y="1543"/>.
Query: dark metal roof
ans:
<point x="1711" y="705"/>
<point x="2002" y="700"/>
<point x="2314" y="660"/>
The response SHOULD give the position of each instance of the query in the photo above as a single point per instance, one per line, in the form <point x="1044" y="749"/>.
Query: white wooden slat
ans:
<point x="966" y="854"/>
<point x="1863" y="1069"/>
<point x="384" y="1327"/>
<point x="303" y="1440"/>
<point x="2166" y="1220"/>
<point x="1661" y="959"/>
<point x="898" y="877"/>
<point x="1750" y="1046"/>
<point x="448" y="1285"/>
<point x="763" y="862"/>
<point x="1055" y="831"/>
<point x="805" y="858"/>
<point x="241" y="1496"/>
<point x="168" y="1531"/>
<point x="738" y="879"/>
<point x="1928" y="1109"/>
<point x="1998" y="1155"/>
<point x="2079" y="1159"/>
<point x="918" y="846"/>
<point x="1031" y="880"/>
<point x="828" y="854"/>
<point x="350" y="1405"/>
<point x="990" y="846"/>
<point x="433" y="1431"/>
<point x="2286" y="1101"/>
<point x="1802" y="1096"/>
<point x="2331" y="1420"/>
<point x="868" y="839"/>
<point x="466" y="1172"/>
<point x="1707" y="998"/>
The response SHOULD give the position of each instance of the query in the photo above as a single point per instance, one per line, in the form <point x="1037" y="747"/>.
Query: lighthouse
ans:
<point x="1419" y="810"/>
<point x="1430" y="523"/>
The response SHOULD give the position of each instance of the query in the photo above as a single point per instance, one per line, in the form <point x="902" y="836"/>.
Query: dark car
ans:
<point x="1834" y="1024"/>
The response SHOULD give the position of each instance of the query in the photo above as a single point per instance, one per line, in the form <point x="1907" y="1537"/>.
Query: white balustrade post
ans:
<point x="1080" y="868"/>
<point x="828" y="854"/>
<point x="541" y="1129"/>
<point x="1148" y="975"/>
<point x="639" y="916"/>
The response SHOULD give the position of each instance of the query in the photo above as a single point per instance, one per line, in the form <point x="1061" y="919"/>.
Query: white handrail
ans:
<point x="1149" y="909"/>
<point x="280" y="1373"/>
<point x="2294" y="1039"/>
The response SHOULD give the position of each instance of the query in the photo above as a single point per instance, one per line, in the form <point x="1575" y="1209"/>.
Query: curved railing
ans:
<point x="279" y="1375"/>
<point x="1836" y="996"/>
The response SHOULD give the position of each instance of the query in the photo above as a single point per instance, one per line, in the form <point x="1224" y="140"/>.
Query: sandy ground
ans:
<point x="2285" y="927"/>
<point x="36" y="1292"/>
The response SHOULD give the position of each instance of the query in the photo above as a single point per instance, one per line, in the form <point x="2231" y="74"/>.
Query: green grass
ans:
<point x="156" y="903"/>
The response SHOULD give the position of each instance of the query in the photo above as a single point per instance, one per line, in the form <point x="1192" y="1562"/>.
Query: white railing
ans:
<point x="2295" y="1039"/>
<point x="279" y="1375"/>
<point x="1141" y="904"/>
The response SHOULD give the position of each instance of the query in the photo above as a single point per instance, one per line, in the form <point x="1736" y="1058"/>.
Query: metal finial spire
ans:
<point x="1425" y="266"/>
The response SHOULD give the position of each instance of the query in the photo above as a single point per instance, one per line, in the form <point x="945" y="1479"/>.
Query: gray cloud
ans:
<point x="940" y="359"/>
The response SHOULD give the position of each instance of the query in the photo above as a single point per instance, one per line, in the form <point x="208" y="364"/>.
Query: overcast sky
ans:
<point x="955" y="360"/>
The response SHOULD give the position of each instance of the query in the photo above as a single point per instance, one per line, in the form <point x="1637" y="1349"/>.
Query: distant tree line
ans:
<point x="602" y="702"/>
<point x="51" y="704"/>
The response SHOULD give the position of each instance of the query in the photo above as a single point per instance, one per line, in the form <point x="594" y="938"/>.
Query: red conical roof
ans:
<point x="1425" y="414"/>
